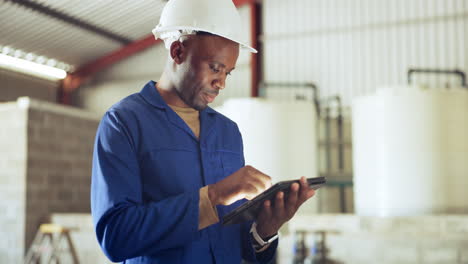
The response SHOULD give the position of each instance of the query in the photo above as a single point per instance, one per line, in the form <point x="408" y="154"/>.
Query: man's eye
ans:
<point x="215" y="70"/>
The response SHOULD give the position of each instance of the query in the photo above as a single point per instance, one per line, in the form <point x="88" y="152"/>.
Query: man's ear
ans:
<point x="178" y="52"/>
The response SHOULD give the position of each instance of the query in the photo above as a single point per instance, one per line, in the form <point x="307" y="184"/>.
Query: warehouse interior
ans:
<point x="370" y="94"/>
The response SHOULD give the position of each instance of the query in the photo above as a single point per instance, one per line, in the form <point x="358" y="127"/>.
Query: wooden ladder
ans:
<point x="41" y="249"/>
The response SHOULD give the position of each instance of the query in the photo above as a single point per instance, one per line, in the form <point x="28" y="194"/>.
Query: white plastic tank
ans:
<point x="410" y="149"/>
<point x="279" y="137"/>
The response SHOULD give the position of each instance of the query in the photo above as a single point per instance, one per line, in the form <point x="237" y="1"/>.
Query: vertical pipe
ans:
<point x="342" y="189"/>
<point x="340" y="135"/>
<point x="327" y="140"/>
<point x="255" y="28"/>
<point x="386" y="44"/>
<point x="421" y="36"/>
<point x="445" y="40"/>
<point x="359" y="49"/>
<point x="464" y="37"/>
<point x="458" y="37"/>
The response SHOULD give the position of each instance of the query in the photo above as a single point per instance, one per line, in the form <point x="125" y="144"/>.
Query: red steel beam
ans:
<point x="116" y="56"/>
<point x="239" y="3"/>
<point x="255" y="30"/>
<point x="76" y="78"/>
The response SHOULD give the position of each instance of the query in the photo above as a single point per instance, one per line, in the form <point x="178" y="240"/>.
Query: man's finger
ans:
<point x="279" y="205"/>
<point x="260" y="178"/>
<point x="266" y="180"/>
<point x="291" y="205"/>
<point x="304" y="190"/>
<point x="251" y="190"/>
<point x="267" y="209"/>
<point x="310" y="193"/>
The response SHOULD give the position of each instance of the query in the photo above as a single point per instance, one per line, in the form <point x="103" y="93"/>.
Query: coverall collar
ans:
<point x="207" y="115"/>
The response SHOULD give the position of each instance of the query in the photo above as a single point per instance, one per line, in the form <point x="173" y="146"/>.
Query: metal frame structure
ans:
<point x="457" y="72"/>
<point x="323" y="106"/>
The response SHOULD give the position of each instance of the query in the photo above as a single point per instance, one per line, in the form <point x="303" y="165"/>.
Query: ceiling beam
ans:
<point x="51" y="12"/>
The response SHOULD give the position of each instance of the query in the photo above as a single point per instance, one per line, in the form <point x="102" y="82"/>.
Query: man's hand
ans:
<point x="247" y="183"/>
<point x="271" y="218"/>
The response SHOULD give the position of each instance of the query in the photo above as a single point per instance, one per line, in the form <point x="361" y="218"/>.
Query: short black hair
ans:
<point x="204" y="33"/>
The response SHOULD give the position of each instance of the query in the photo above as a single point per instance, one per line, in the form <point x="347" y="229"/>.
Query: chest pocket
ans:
<point x="168" y="172"/>
<point x="231" y="162"/>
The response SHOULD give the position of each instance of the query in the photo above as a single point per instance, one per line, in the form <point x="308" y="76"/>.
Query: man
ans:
<point x="167" y="167"/>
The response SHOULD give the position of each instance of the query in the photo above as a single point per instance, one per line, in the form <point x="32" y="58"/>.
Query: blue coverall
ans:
<point x="148" y="167"/>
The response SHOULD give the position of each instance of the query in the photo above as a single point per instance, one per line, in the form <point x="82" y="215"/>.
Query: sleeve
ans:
<point x="208" y="214"/>
<point x="125" y="225"/>
<point x="248" y="251"/>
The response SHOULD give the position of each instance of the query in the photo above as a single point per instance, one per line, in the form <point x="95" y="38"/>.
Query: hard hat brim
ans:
<point x="158" y="30"/>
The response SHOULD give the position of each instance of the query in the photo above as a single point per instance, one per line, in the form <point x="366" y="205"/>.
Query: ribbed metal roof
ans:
<point x="27" y="29"/>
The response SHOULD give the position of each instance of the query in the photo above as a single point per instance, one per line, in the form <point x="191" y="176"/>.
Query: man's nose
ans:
<point x="220" y="83"/>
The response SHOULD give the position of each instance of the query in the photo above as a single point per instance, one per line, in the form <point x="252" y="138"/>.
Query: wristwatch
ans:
<point x="258" y="240"/>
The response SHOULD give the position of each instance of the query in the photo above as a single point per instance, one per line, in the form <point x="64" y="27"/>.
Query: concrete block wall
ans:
<point x="60" y="147"/>
<point x="56" y="166"/>
<point x="397" y="240"/>
<point x="13" y="129"/>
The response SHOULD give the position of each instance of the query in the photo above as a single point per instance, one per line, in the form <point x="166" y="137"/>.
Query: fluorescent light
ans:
<point x="32" y="68"/>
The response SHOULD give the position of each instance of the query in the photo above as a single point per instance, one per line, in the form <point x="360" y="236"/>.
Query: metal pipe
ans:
<point x="340" y="140"/>
<point x="328" y="139"/>
<point x="439" y="71"/>
<point x="340" y="143"/>
<point x="310" y="85"/>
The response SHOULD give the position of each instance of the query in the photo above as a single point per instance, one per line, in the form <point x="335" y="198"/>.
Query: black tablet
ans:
<point x="249" y="210"/>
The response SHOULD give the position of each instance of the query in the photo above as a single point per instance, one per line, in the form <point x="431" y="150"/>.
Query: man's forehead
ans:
<point x="216" y="49"/>
<point x="213" y="42"/>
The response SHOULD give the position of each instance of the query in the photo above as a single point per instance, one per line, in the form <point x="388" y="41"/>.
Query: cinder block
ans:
<point x="400" y="251"/>
<point x="455" y="225"/>
<point x="376" y="225"/>
<point x="365" y="250"/>
<point x="463" y="253"/>
<point x="338" y="246"/>
<point x="441" y="254"/>
<point x="418" y="226"/>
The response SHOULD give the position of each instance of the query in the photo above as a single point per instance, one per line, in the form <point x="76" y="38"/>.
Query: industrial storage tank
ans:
<point x="411" y="151"/>
<point x="280" y="138"/>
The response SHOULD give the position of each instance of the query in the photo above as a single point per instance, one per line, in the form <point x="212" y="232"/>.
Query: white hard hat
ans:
<point x="183" y="17"/>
